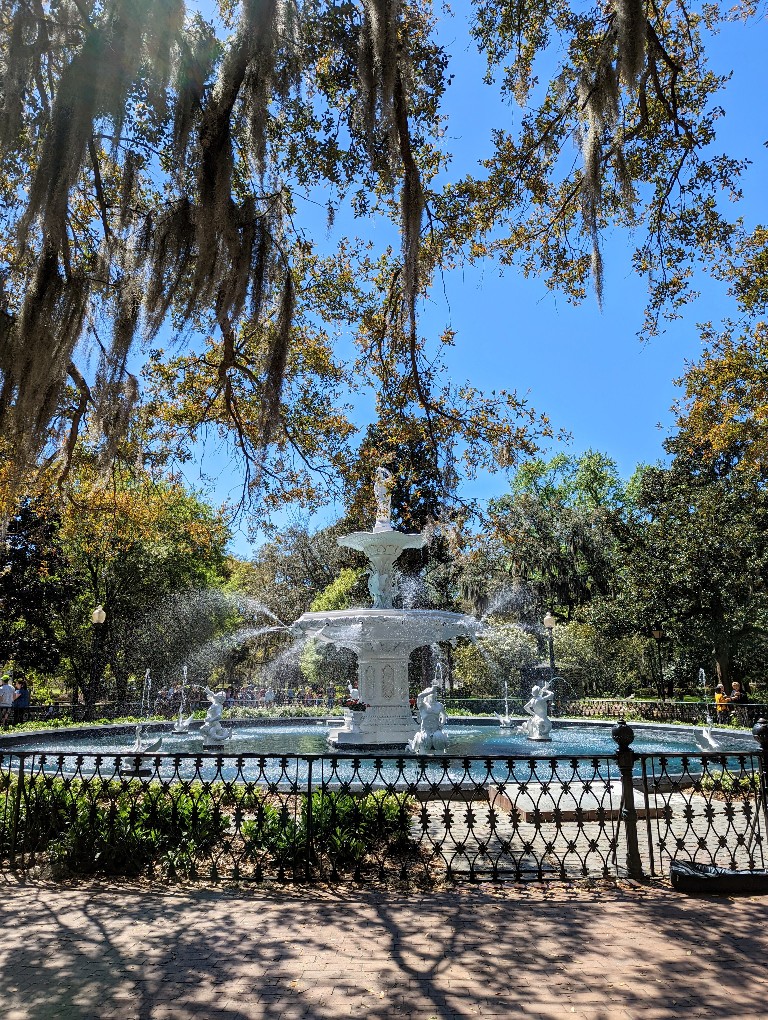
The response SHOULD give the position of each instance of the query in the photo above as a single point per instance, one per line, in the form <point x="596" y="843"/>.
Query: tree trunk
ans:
<point x="722" y="653"/>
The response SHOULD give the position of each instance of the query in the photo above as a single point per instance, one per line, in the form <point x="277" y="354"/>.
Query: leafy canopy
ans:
<point x="157" y="159"/>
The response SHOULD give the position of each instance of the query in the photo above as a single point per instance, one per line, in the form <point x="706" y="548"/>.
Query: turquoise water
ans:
<point x="464" y="741"/>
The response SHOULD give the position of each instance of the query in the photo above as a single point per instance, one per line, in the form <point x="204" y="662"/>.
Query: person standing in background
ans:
<point x="6" y="702"/>
<point x="20" y="702"/>
<point x="721" y="702"/>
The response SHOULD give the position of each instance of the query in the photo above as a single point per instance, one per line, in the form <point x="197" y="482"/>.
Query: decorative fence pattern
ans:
<point x="384" y="818"/>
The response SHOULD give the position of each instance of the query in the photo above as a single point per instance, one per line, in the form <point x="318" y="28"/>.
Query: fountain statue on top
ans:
<point x="212" y="730"/>
<point x="431" y="736"/>
<point x="382" y="637"/>
<point x="539" y="726"/>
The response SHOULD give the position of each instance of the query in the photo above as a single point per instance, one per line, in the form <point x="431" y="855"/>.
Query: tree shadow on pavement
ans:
<point x="602" y="952"/>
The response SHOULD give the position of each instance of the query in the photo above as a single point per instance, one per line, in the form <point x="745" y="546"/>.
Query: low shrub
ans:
<point x="115" y="827"/>
<point x="345" y="828"/>
<point x="731" y="784"/>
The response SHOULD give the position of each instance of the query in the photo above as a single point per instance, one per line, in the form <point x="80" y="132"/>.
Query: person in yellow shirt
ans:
<point x="721" y="702"/>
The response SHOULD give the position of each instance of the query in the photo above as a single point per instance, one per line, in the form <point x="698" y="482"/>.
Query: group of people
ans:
<point x="723" y="701"/>
<point x="168" y="701"/>
<point x="14" y="701"/>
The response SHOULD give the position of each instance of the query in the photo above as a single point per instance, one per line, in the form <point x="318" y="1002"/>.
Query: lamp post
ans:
<point x="658" y="636"/>
<point x="98" y="616"/>
<point x="549" y="622"/>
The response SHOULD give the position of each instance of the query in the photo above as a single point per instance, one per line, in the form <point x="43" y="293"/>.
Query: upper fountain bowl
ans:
<point x="405" y="628"/>
<point x="384" y="542"/>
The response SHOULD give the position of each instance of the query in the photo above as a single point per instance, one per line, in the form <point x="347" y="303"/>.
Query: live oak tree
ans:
<point x="556" y="529"/>
<point x="725" y="406"/>
<point x="155" y="166"/>
<point x="35" y="589"/>
<point x="724" y="409"/>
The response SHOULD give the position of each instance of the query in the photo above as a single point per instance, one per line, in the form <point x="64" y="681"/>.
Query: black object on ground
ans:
<point x="689" y="877"/>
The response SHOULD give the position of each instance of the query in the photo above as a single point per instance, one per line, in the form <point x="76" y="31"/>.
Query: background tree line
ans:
<point x="680" y="549"/>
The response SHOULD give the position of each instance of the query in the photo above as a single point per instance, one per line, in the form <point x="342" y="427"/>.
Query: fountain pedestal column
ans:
<point x="382" y="640"/>
<point x="383" y="685"/>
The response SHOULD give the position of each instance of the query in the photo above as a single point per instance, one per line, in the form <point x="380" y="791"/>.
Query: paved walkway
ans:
<point x="547" y="951"/>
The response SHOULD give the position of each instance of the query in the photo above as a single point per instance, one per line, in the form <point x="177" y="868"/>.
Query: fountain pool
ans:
<point x="263" y="745"/>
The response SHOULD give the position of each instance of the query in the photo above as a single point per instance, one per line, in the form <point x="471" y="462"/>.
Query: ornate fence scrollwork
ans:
<point x="388" y="817"/>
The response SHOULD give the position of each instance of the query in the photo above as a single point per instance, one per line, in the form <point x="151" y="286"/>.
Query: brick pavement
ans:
<point x="599" y="952"/>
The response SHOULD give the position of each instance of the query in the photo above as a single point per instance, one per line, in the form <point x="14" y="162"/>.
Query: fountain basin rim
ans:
<point x="361" y="541"/>
<point x="415" y="627"/>
<point x="403" y="615"/>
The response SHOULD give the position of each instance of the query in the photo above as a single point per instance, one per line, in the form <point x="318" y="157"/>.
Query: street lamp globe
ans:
<point x="98" y="616"/>
<point x="549" y="621"/>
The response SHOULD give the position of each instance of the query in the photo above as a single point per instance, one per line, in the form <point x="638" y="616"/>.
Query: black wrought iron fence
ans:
<point x="710" y="809"/>
<point x="383" y="817"/>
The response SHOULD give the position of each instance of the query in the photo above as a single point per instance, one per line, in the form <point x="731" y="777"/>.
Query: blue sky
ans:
<point x="585" y="368"/>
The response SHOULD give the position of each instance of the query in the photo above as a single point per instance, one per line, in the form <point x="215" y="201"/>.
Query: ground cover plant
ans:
<point x="128" y="827"/>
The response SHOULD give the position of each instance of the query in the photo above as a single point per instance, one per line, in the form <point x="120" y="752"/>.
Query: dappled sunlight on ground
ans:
<point x="554" y="950"/>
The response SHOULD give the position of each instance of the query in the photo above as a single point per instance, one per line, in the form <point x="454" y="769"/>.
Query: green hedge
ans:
<point x="129" y="827"/>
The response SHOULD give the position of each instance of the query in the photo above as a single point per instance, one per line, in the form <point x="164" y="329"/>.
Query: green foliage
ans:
<point x="694" y="556"/>
<point x="340" y="592"/>
<point x="128" y="827"/>
<point x="730" y="784"/>
<point x="480" y="670"/>
<point x="115" y="828"/>
<point x="603" y="664"/>
<point x="557" y="529"/>
<point x="65" y="721"/>
<point x="324" y="665"/>
<point x="282" y="711"/>
<point x="129" y="546"/>
<point x="292" y="569"/>
<point x="345" y="827"/>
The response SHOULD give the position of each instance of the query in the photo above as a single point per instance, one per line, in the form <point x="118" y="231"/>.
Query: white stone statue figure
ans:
<point x="212" y="728"/>
<point x="381" y="588"/>
<point x="381" y="490"/>
<point x="354" y="692"/>
<point x="539" y="726"/>
<point x="431" y="736"/>
<point x="139" y="747"/>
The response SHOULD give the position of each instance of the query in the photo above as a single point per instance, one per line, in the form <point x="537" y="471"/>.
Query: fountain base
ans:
<point x="381" y="727"/>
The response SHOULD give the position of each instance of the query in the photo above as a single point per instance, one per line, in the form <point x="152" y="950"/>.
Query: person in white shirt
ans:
<point x="6" y="701"/>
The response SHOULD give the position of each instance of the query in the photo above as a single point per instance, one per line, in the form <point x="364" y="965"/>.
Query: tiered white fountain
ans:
<point x="382" y="638"/>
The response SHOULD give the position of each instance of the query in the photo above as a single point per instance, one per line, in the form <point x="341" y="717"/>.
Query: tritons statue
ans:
<point x="539" y="726"/>
<point x="431" y="736"/>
